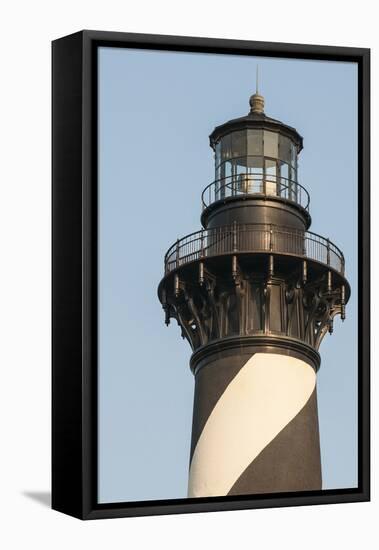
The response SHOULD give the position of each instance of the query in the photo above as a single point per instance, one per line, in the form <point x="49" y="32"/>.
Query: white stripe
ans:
<point x="265" y="395"/>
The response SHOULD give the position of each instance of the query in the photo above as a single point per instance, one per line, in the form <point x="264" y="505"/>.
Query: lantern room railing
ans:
<point x="253" y="238"/>
<point x="252" y="185"/>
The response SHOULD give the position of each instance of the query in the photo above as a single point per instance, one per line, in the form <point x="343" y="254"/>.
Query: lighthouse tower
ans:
<point x="254" y="293"/>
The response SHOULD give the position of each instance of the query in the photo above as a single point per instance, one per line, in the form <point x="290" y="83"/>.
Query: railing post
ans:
<point x="234" y="268"/>
<point x="305" y="272"/>
<point x="176" y="286"/>
<point x="329" y="283"/>
<point x="271" y="237"/>
<point x="343" y="302"/>
<point x="201" y="273"/>
<point x="235" y="248"/>
<point x="271" y="266"/>
<point x="328" y="252"/>
<point x="177" y="253"/>
<point x="202" y="244"/>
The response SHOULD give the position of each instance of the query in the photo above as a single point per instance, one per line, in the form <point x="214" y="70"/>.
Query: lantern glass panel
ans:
<point x="226" y="147"/>
<point x="284" y="173"/>
<point x="292" y="185"/>
<point x="239" y="144"/>
<point x="270" y="144"/>
<point x="270" y="177"/>
<point x="218" y="154"/>
<point x="255" y="142"/>
<point x="270" y="169"/>
<point x="293" y="155"/>
<point x="285" y="149"/>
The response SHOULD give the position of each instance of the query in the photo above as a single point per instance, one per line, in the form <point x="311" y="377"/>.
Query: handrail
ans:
<point x="251" y="238"/>
<point x="253" y="184"/>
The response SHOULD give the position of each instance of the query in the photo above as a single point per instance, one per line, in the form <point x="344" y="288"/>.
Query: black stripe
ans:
<point x="291" y="462"/>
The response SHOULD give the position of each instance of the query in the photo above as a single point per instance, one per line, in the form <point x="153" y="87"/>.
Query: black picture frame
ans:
<point x="74" y="273"/>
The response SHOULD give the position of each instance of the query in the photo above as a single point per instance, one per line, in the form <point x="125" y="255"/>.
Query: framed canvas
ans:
<point x="221" y="188"/>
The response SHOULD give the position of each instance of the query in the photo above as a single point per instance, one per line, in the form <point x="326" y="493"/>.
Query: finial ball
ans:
<point x="257" y="103"/>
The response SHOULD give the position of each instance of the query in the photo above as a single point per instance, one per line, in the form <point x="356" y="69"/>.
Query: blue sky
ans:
<point x="156" y="111"/>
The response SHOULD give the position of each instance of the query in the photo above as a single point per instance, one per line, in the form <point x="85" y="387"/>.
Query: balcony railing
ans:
<point x="245" y="185"/>
<point x="253" y="238"/>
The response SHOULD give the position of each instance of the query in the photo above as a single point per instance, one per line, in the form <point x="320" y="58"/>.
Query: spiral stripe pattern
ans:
<point x="255" y="429"/>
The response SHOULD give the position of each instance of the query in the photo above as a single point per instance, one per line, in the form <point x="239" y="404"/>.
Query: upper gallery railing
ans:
<point x="240" y="185"/>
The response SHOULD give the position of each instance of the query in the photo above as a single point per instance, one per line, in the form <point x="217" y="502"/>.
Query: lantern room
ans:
<point x="256" y="160"/>
<point x="256" y="157"/>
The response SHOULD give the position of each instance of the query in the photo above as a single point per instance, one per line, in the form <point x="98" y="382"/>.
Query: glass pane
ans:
<point x="241" y="167"/>
<point x="292" y="185"/>
<point x="270" y="166"/>
<point x="228" y="169"/>
<point x="231" y="182"/>
<point x="284" y="173"/>
<point x="255" y="164"/>
<point x="293" y="175"/>
<point x="241" y="164"/>
<point x="244" y="184"/>
<point x="293" y="155"/>
<point x="254" y="175"/>
<point x="285" y="149"/>
<point x="217" y="172"/>
<point x="222" y="175"/>
<point x="270" y="141"/>
<point x="239" y="140"/>
<point x="218" y="154"/>
<point x="221" y="188"/>
<point x="226" y="147"/>
<point x="270" y="177"/>
<point x="255" y="142"/>
<point x="284" y="181"/>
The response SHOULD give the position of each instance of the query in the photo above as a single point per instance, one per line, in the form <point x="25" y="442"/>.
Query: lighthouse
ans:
<point x="254" y="292"/>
